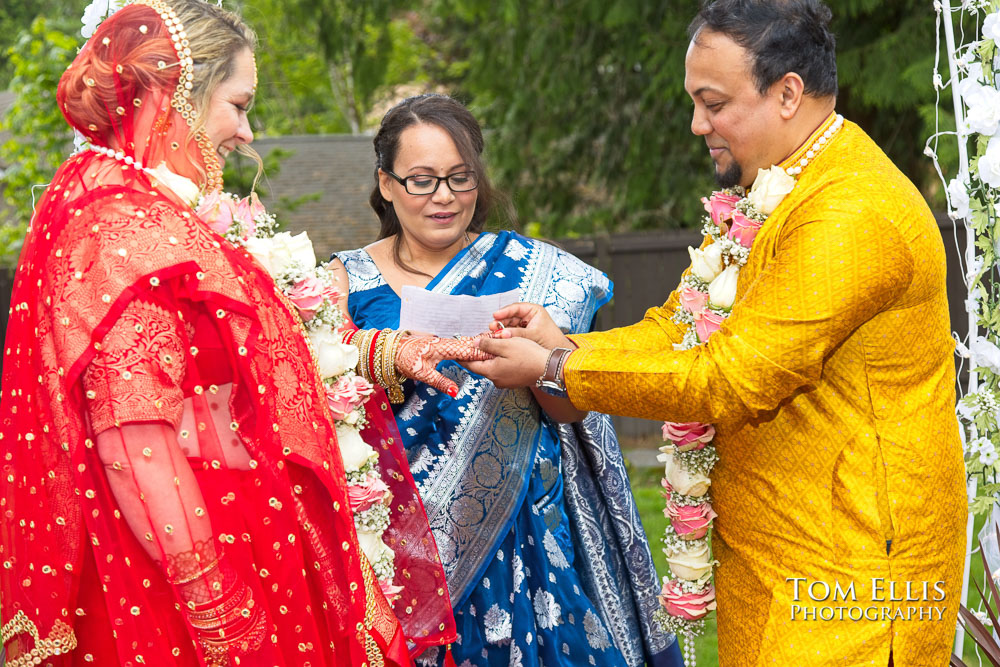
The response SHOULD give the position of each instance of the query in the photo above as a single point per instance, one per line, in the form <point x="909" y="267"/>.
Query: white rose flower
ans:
<point x="373" y="546"/>
<point x="95" y="13"/>
<point x="691" y="565"/>
<point x="181" y="186"/>
<point x="958" y="198"/>
<point x="991" y="27"/>
<point x="684" y="481"/>
<point x="769" y="188"/>
<point x="989" y="164"/>
<point x="722" y="290"/>
<point x="260" y="249"/>
<point x="985" y="354"/>
<point x="707" y="263"/>
<point x="984" y="110"/>
<point x="332" y="356"/>
<point x="353" y="449"/>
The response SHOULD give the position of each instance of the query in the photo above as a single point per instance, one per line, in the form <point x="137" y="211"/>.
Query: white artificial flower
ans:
<point x="353" y="449"/>
<point x="95" y="13"/>
<point x="769" y="188"/>
<point x="970" y="85"/>
<point x="971" y="305"/>
<point x="984" y="110"/>
<point x="967" y="411"/>
<point x="989" y="164"/>
<point x="691" y="565"/>
<point x="373" y="546"/>
<point x="978" y="445"/>
<point x="991" y="27"/>
<point x="684" y="481"/>
<point x="282" y="252"/>
<point x="722" y="290"/>
<point x="985" y="354"/>
<point x="958" y="198"/>
<point x="181" y="186"/>
<point x="332" y="356"/>
<point x="988" y="456"/>
<point x="707" y="263"/>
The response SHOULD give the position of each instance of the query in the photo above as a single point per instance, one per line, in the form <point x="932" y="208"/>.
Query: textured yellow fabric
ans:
<point x="832" y="390"/>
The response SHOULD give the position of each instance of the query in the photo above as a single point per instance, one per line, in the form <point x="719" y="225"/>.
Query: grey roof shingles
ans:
<point x="340" y="168"/>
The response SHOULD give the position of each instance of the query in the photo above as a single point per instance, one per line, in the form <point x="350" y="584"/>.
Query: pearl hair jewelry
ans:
<point x="817" y="146"/>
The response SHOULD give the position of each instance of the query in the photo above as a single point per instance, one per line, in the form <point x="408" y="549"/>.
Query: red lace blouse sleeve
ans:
<point x="137" y="374"/>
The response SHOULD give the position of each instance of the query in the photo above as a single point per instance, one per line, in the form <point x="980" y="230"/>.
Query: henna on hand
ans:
<point x="418" y="356"/>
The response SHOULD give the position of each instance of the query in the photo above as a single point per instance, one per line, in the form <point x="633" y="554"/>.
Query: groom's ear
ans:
<point x="790" y="89"/>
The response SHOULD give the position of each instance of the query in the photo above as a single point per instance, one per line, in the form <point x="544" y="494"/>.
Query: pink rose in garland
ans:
<point x="743" y="230"/>
<point x="347" y="395"/>
<point x="691" y="606"/>
<point x="688" y="435"/>
<point x="692" y="300"/>
<point x="720" y="206"/>
<point x="690" y="522"/>
<point x="217" y="211"/>
<point x="390" y="591"/>
<point x="247" y="209"/>
<point x="307" y="295"/>
<point x="706" y="323"/>
<point x="363" y="496"/>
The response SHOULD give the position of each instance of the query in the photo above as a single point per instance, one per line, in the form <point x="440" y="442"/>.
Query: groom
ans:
<point x="840" y="485"/>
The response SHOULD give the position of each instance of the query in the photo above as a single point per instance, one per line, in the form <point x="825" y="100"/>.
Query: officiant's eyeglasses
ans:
<point x="423" y="184"/>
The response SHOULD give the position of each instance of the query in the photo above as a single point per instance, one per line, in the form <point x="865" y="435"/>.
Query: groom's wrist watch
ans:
<point x="551" y="381"/>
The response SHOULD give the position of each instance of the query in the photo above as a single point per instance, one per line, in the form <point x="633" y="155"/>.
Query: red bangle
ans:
<point x="349" y="336"/>
<point x="371" y="353"/>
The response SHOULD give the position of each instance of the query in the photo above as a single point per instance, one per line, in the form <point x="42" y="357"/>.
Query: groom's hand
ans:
<point x="517" y="361"/>
<point x="531" y="321"/>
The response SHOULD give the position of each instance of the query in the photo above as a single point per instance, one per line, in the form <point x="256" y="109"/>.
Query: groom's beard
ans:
<point x="729" y="178"/>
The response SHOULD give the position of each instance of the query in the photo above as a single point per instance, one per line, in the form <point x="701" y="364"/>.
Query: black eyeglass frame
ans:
<point x="406" y="186"/>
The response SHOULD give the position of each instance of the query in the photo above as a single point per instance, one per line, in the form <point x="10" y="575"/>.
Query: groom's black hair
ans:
<point x="781" y="35"/>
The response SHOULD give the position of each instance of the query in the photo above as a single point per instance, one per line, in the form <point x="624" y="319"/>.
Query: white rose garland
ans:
<point x="291" y="261"/>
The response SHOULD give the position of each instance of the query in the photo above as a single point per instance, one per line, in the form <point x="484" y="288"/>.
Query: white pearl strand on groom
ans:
<point x="817" y="146"/>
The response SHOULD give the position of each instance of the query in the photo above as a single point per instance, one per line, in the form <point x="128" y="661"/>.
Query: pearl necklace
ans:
<point x="817" y="146"/>
<point x="120" y="156"/>
<point x="184" y="188"/>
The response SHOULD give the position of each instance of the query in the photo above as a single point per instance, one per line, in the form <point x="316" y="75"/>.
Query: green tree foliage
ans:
<point x="40" y="138"/>
<point x="16" y="16"/>
<point x="326" y="64"/>
<point x="590" y="122"/>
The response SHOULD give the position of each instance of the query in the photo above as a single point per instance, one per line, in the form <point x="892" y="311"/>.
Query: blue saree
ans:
<point x="546" y="559"/>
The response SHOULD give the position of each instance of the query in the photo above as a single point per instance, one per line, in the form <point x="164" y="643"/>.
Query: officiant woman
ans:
<point x="544" y="554"/>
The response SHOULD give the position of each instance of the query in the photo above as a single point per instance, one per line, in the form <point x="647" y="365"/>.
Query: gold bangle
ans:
<point x="392" y="377"/>
<point x="198" y="575"/>
<point x="362" y="340"/>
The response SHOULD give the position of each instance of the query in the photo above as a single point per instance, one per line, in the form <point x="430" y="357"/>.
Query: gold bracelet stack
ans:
<point x="236" y="625"/>
<point x="389" y="377"/>
<point x="377" y="359"/>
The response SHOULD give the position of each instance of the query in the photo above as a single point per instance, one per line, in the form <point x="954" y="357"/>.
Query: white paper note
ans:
<point x="450" y="315"/>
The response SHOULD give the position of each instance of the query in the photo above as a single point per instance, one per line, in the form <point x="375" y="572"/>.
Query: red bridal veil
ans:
<point x="174" y="490"/>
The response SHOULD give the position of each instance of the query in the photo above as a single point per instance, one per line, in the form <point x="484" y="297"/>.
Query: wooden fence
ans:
<point x="645" y="267"/>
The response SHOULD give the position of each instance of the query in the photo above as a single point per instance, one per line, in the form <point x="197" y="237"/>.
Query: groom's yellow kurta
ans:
<point x="831" y="386"/>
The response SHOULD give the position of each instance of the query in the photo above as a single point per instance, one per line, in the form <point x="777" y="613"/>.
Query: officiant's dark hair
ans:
<point x="782" y="36"/>
<point x="451" y="116"/>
